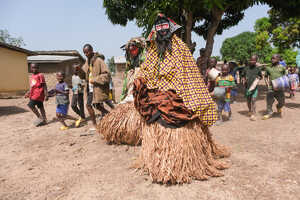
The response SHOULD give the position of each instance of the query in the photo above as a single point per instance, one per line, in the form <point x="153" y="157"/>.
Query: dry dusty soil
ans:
<point x="48" y="164"/>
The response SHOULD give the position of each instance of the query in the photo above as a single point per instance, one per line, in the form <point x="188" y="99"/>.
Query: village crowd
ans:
<point x="168" y="101"/>
<point x="222" y="82"/>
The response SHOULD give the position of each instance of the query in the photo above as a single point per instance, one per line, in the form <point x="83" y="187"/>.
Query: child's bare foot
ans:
<point x="93" y="128"/>
<point x="249" y="114"/>
<point x="228" y="116"/>
<point x="218" y="123"/>
<point x="253" y="118"/>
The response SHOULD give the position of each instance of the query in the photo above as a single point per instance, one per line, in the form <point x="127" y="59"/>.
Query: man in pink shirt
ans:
<point x="37" y="94"/>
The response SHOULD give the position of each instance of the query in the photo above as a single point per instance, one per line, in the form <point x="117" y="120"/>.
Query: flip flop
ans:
<point x="78" y="122"/>
<point x="63" y="128"/>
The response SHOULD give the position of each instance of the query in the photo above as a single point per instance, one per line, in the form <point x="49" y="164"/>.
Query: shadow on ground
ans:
<point x="11" y="110"/>
<point x="244" y="112"/>
<point x="292" y="105"/>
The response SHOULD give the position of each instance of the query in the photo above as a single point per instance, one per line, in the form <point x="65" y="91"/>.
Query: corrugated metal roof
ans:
<point x="61" y="53"/>
<point x="119" y="59"/>
<point x="50" y="58"/>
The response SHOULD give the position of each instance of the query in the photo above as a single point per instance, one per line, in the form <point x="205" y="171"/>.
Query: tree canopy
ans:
<point x="282" y="32"/>
<point x="287" y="8"/>
<point x="205" y="17"/>
<point x="7" y="38"/>
<point x="268" y="30"/>
<point x="285" y="31"/>
<point x="240" y="47"/>
<point x="194" y="15"/>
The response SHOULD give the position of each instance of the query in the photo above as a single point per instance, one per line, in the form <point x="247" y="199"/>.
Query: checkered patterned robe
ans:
<point x="178" y="71"/>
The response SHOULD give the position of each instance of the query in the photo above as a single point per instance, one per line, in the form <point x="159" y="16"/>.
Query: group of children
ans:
<point x="223" y="88"/>
<point x="93" y="78"/>
<point x="38" y="94"/>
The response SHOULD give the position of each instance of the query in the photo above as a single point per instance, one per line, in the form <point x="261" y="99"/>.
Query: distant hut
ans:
<point x="14" y="74"/>
<point x="54" y="61"/>
<point x="120" y="63"/>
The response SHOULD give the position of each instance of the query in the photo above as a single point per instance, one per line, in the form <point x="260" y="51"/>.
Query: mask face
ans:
<point x="134" y="50"/>
<point x="162" y="27"/>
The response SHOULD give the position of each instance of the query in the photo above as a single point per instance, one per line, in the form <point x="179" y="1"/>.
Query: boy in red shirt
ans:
<point x="37" y="94"/>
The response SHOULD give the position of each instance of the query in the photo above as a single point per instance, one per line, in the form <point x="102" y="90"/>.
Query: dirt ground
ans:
<point x="46" y="163"/>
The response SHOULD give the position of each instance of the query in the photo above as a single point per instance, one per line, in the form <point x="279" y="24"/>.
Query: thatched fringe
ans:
<point x="179" y="155"/>
<point x="122" y="125"/>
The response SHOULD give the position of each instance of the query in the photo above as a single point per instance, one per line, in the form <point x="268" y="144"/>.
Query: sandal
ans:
<point x="77" y="123"/>
<point x="63" y="128"/>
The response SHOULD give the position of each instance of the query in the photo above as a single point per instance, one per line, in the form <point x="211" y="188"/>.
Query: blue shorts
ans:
<point x="223" y="105"/>
<point x="62" y="109"/>
<point x="233" y="92"/>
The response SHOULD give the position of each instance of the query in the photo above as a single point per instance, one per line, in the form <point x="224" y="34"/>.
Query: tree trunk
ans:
<point x="216" y="18"/>
<point x="188" y="27"/>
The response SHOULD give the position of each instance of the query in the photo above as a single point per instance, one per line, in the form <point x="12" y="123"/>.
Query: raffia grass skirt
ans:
<point x="122" y="125"/>
<point x="172" y="156"/>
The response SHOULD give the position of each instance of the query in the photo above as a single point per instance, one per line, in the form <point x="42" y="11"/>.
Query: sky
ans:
<point x="69" y="24"/>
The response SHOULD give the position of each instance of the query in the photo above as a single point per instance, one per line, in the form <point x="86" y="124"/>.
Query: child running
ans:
<point x="62" y="101"/>
<point x="37" y="94"/>
<point x="77" y="98"/>
<point x="294" y="81"/>
<point x="250" y="75"/>
<point x="273" y="72"/>
<point x="225" y="81"/>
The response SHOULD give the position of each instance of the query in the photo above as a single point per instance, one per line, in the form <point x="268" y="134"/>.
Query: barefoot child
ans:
<point x="225" y="81"/>
<point x="249" y="75"/>
<point x="62" y="101"/>
<point x="294" y="81"/>
<point x="37" y="94"/>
